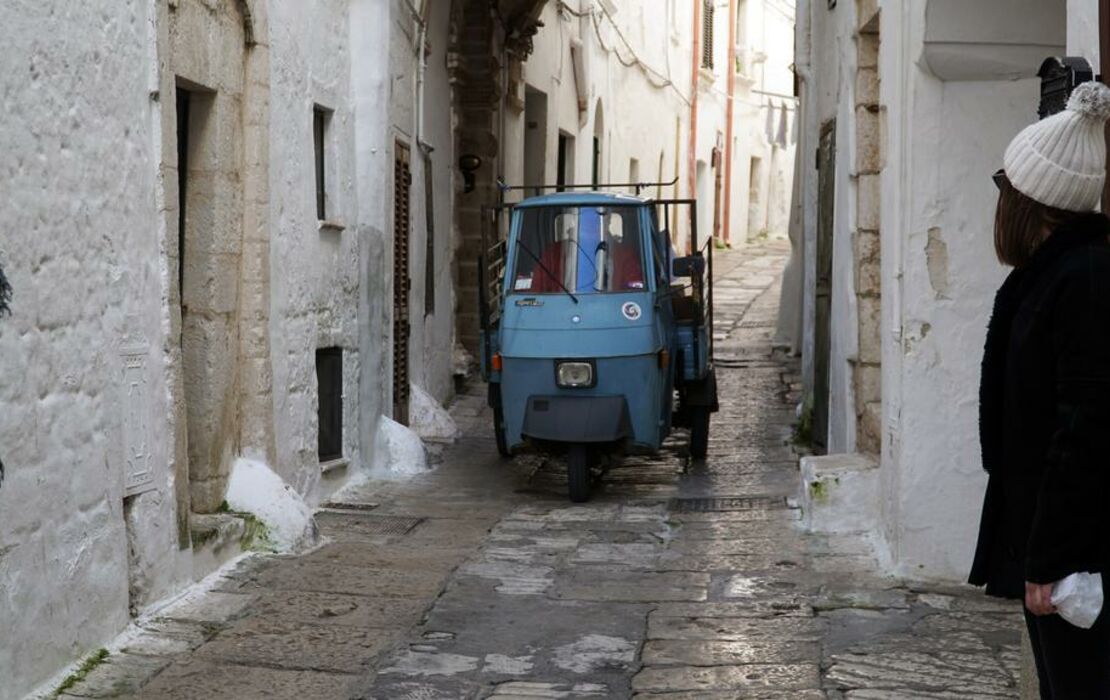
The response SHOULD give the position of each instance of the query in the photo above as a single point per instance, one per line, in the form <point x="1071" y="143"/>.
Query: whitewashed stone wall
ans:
<point x="314" y="267"/>
<point x="943" y="134"/>
<point x="644" y="110"/>
<point x="98" y="392"/>
<point x="945" y="139"/>
<point x="83" y="393"/>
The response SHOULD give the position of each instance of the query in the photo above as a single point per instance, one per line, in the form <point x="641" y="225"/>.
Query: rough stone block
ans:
<point x="868" y="380"/>
<point x="747" y="678"/>
<point x="867" y="87"/>
<point x="308" y="608"/>
<point x="869" y="428"/>
<point x="284" y="644"/>
<point x="211" y="607"/>
<point x="198" y="679"/>
<point x="214" y="206"/>
<point x="867" y="15"/>
<point x="869" y="49"/>
<point x="212" y="283"/>
<point x="869" y="310"/>
<point x="352" y="580"/>
<point x="868" y="277"/>
<point x="840" y="493"/>
<point x="869" y="148"/>
<point x="597" y="583"/>
<point x="718" y="652"/>
<point x="868" y="202"/>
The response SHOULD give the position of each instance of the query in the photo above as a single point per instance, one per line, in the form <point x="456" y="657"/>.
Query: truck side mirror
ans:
<point x="688" y="266"/>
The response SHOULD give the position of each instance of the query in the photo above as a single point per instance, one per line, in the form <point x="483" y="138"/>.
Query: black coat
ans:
<point x="1044" y="416"/>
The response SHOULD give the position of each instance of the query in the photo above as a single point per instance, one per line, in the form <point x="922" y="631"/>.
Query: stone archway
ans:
<point x="489" y="42"/>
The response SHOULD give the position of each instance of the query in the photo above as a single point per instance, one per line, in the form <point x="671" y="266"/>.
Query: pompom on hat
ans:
<point x="1060" y="161"/>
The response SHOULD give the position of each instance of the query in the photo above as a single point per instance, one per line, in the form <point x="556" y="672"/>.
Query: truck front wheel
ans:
<point x="578" y="472"/>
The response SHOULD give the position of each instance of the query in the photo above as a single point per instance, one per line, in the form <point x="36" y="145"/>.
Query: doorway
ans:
<point x="826" y="182"/>
<point x="535" y="141"/>
<point x="564" y="175"/>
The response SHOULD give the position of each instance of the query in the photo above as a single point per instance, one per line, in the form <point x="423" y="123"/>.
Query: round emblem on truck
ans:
<point x="631" y="310"/>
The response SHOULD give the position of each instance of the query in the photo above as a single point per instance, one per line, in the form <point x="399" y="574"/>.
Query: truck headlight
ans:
<point x="574" y="375"/>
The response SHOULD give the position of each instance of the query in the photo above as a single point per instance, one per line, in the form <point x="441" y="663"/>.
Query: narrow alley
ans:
<point x="678" y="580"/>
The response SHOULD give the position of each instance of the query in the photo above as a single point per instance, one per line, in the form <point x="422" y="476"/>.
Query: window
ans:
<point x="707" y="34"/>
<point x="321" y="120"/>
<point x="565" y="166"/>
<point x="183" y="103"/>
<point x="579" y="249"/>
<point x="329" y="410"/>
<point x="595" y="170"/>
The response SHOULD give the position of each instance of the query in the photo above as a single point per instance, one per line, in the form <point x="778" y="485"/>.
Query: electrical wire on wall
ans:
<point x="654" y="77"/>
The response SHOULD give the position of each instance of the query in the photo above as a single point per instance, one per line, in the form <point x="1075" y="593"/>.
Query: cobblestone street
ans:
<point x="678" y="580"/>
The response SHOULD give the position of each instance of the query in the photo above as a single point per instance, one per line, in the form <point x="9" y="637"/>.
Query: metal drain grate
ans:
<point x="357" y="507"/>
<point x="369" y="525"/>
<point x="726" y="504"/>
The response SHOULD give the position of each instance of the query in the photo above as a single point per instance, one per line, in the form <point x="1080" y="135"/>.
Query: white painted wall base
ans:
<point x="840" y="493"/>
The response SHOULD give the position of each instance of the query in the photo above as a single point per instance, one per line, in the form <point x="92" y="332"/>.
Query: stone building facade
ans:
<point x="238" y="230"/>
<point x="907" y="108"/>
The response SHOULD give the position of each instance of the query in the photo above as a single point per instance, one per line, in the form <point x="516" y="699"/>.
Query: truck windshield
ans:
<point x="578" y="249"/>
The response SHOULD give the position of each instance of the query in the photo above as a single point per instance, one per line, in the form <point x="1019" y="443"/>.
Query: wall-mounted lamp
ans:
<point x="469" y="164"/>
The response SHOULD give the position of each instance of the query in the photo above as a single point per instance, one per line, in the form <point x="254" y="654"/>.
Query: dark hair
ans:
<point x="1020" y="224"/>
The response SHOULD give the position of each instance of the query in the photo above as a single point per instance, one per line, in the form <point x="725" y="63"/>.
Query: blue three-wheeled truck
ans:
<point x="591" y="327"/>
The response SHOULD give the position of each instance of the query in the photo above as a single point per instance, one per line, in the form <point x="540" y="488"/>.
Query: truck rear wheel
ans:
<point x="699" y="431"/>
<point x="578" y="472"/>
<point x="499" y="431"/>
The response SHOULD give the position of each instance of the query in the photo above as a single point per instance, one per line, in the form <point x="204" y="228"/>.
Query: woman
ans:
<point x="1045" y="391"/>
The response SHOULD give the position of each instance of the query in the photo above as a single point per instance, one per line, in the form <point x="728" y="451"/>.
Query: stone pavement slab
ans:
<point x="680" y="579"/>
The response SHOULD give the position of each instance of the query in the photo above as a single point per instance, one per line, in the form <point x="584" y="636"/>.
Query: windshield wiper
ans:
<point x="548" y="272"/>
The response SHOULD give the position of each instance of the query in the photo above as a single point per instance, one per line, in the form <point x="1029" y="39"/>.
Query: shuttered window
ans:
<point x="707" y="34"/>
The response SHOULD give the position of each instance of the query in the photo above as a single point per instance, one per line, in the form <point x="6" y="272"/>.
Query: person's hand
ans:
<point x="1038" y="598"/>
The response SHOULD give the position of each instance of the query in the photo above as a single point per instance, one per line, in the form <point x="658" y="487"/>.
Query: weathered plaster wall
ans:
<point x="80" y="245"/>
<point x="1083" y="30"/>
<point x="369" y="30"/>
<point x="646" y="112"/>
<point x="314" y="268"/>
<point x="434" y="336"/>
<point x="939" y="141"/>
<point x="937" y="214"/>
<point x="764" y="90"/>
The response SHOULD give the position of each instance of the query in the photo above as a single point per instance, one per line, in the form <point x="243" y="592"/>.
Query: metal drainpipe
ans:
<point x="732" y="10"/>
<point x="692" y="144"/>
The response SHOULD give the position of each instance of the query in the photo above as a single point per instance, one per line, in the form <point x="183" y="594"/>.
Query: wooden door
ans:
<point x="826" y="190"/>
<point x="402" y="281"/>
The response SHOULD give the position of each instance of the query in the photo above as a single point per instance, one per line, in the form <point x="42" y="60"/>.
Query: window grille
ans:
<point x="329" y="410"/>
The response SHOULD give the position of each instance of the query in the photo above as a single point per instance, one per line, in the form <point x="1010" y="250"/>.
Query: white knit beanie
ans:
<point x="1061" y="161"/>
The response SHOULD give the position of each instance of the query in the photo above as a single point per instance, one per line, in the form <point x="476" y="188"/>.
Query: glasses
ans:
<point x="999" y="178"/>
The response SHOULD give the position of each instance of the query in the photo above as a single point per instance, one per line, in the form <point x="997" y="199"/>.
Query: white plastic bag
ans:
<point x="1078" y="598"/>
